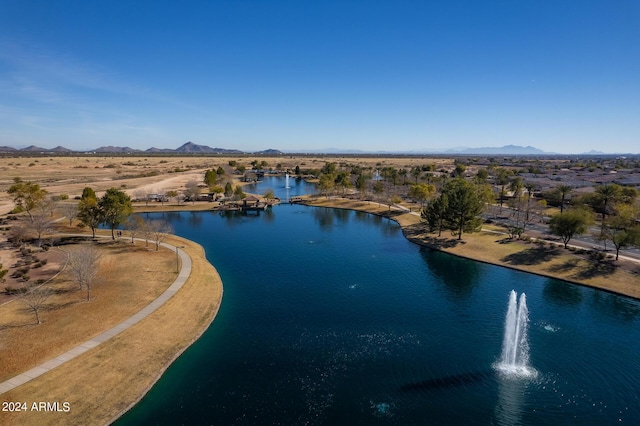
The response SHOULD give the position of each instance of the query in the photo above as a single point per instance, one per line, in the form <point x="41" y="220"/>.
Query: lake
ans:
<point x="331" y="317"/>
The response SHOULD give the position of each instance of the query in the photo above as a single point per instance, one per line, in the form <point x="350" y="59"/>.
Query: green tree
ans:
<point x="378" y="187"/>
<point x="460" y="169"/>
<point x="502" y="179"/>
<point x="210" y="178"/>
<point x="416" y="172"/>
<point x="482" y="175"/>
<point x="116" y="208"/>
<point x="329" y="168"/>
<point x="361" y="183"/>
<point x="89" y="212"/>
<point x="403" y="173"/>
<point x="434" y="214"/>
<point x="88" y="192"/>
<point x="27" y="195"/>
<point x="570" y="223"/>
<point x="530" y="187"/>
<point x="326" y="184"/>
<point x="343" y="180"/>
<point x="563" y="191"/>
<point x="463" y="206"/>
<point x="607" y="195"/>
<point x="238" y="193"/>
<point x="421" y="192"/>
<point x="622" y="229"/>
<point x="228" y="189"/>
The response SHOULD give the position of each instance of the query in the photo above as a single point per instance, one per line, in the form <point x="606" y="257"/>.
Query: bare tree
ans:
<point x="69" y="210"/>
<point x="160" y="230"/>
<point x="41" y="224"/>
<point x="191" y="190"/>
<point x="134" y="226"/>
<point x="83" y="266"/>
<point x="17" y="234"/>
<point x="140" y="195"/>
<point x="35" y="299"/>
<point x="162" y="195"/>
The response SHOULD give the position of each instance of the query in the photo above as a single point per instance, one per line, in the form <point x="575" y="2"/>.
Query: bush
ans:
<point x="15" y="290"/>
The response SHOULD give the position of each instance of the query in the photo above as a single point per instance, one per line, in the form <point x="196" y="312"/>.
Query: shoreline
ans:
<point x="408" y="222"/>
<point x="140" y="354"/>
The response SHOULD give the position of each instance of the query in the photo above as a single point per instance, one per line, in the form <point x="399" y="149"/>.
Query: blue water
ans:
<point x="332" y="317"/>
<point x="296" y="188"/>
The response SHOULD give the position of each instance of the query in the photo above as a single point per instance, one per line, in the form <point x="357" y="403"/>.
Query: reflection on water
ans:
<point x="458" y="275"/>
<point x="615" y="306"/>
<point x="511" y="398"/>
<point x="562" y="293"/>
<point x="194" y="220"/>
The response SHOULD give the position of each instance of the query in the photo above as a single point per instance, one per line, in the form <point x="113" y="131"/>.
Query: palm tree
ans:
<point x="563" y="190"/>
<point x="530" y="187"/>
<point x="502" y="179"/>
<point x="607" y="193"/>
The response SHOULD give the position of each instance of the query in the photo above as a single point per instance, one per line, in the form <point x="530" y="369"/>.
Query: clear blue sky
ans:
<point x="560" y="75"/>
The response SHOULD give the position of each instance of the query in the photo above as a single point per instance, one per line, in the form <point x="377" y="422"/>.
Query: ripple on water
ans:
<point x="382" y="409"/>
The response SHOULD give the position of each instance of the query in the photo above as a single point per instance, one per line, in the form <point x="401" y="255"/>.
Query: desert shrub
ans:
<point x="15" y="290"/>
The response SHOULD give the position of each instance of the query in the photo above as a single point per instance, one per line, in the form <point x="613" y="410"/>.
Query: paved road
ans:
<point x="587" y="241"/>
<point x="185" y="271"/>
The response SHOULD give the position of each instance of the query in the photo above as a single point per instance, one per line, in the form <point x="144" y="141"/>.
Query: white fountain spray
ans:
<point x="286" y="181"/>
<point x="515" y="346"/>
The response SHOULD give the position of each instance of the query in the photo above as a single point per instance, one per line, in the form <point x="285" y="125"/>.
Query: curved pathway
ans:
<point x="184" y="273"/>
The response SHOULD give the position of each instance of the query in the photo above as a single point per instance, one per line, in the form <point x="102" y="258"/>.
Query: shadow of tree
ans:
<point x="16" y="325"/>
<point x="531" y="256"/>
<point x="595" y="269"/>
<point x="57" y="306"/>
<point x="564" y="267"/>
<point x="418" y="234"/>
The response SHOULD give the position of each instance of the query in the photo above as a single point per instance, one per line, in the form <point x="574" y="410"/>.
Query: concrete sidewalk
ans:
<point x="185" y="271"/>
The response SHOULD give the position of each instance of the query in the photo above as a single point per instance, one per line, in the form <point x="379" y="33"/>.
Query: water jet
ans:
<point x="515" y="345"/>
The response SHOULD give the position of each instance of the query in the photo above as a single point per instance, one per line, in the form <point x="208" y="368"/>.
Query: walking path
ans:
<point x="183" y="275"/>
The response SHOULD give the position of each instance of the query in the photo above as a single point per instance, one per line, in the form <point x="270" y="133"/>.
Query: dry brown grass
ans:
<point x="130" y="278"/>
<point x="108" y="379"/>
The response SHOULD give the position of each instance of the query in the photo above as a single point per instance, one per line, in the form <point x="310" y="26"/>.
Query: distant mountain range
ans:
<point x="187" y="148"/>
<point x="193" y="148"/>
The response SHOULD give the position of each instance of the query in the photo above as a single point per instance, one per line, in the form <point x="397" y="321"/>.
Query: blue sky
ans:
<point x="560" y="75"/>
